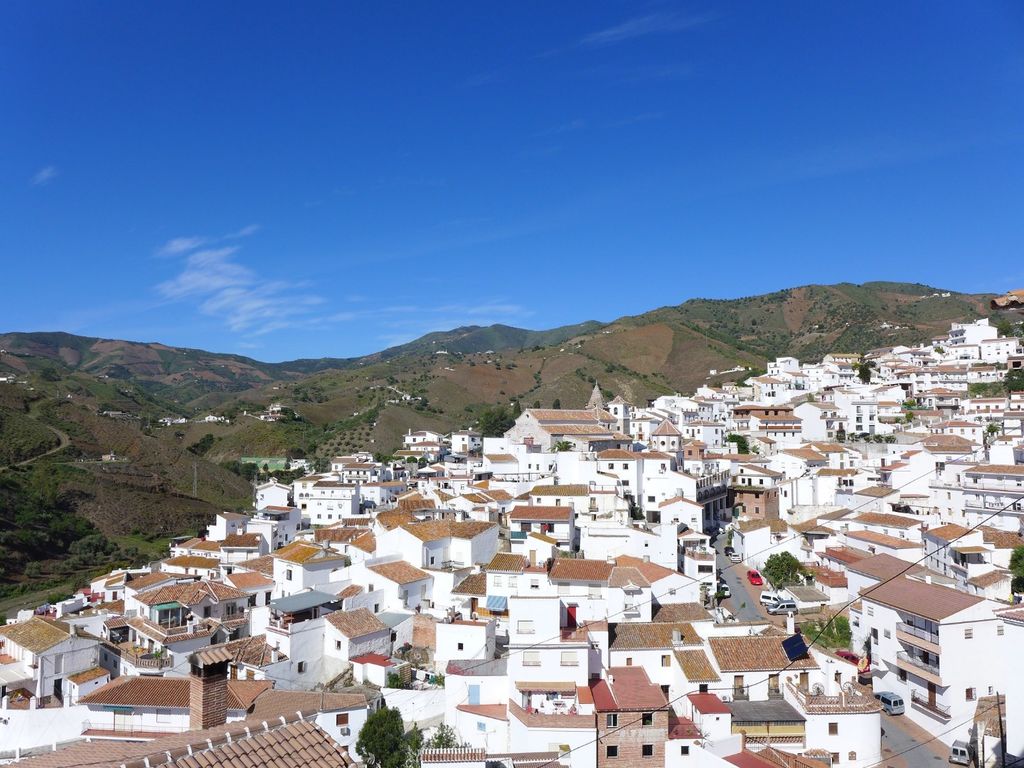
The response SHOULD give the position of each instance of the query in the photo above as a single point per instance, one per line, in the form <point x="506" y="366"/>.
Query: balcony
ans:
<point x="740" y="694"/>
<point x="919" y="637"/>
<point x="517" y="535"/>
<point x="917" y="666"/>
<point x="930" y="707"/>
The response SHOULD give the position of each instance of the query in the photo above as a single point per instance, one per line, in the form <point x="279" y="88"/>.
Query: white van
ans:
<point x="960" y="753"/>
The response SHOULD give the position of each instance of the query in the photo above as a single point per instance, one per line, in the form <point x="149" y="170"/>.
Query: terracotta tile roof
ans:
<point x="475" y="584"/>
<point x="627" y="576"/>
<point x="708" y="704"/>
<point x="634" y="636"/>
<point x="947" y="532"/>
<point x="920" y="598"/>
<point x="433" y="530"/>
<point x="169" y="692"/>
<point x="355" y="623"/>
<point x="491" y="711"/>
<point x="301" y="552"/>
<point x="36" y="634"/>
<point x="391" y="520"/>
<point x="249" y="580"/>
<point x="534" y="720"/>
<point x="651" y="571"/>
<point x="696" y="666"/>
<point x="990" y="579"/>
<point x="242" y="540"/>
<point x="148" y="628"/>
<point x="542" y="513"/>
<point x="191" y="594"/>
<point x="399" y="572"/>
<point x="200" y="544"/>
<point x="1001" y="539"/>
<point x="264" y="565"/>
<point x="995" y="469"/>
<point x="682" y="612"/>
<point x="846" y="555"/>
<point x="754" y="653"/>
<point x="560" y="490"/>
<point x="880" y="539"/>
<point x="627" y="689"/>
<point x="567" y="569"/>
<point x="776" y="526"/>
<point x="299" y="743"/>
<point x="275" y="703"/>
<point x="506" y="562"/>
<point x="253" y="651"/>
<point x="90" y="674"/>
<point x="875" y="491"/>
<point x="889" y="521"/>
<point x="367" y="542"/>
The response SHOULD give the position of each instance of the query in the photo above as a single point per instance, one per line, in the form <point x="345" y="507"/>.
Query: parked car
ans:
<point x="735" y="557"/>
<point x="723" y="588"/>
<point x="781" y="607"/>
<point x="849" y="656"/>
<point x="768" y="599"/>
<point x="960" y="753"/>
<point x="754" y="577"/>
<point x="891" y="702"/>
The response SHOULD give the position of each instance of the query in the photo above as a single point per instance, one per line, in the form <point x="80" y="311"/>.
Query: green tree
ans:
<point x="562" y="445"/>
<point x="782" y="568"/>
<point x="742" y="444"/>
<point x="517" y="409"/>
<point x="202" y="445"/>
<point x="864" y="369"/>
<point x="556" y="404"/>
<point x="444" y="738"/>
<point x="382" y="741"/>
<point x="495" y="421"/>
<point x="1014" y="381"/>
<point x="1017" y="569"/>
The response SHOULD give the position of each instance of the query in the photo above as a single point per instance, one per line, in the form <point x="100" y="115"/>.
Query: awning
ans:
<point x="549" y="686"/>
<point x="497" y="603"/>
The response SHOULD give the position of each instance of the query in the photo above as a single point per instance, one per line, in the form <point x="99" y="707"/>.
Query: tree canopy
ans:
<point x="1017" y="569"/>
<point x="495" y="421"/>
<point x="782" y="568"/>
<point x="382" y="740"/>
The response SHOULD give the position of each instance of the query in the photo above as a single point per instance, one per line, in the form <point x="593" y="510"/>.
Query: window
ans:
<point x="288" y="574"/>
<point x="968" y="633"/>
<point x="531" y="658"/>
<point x="684" y="750"/>
<point x="594" y="591"/>
<point x="460" y="646"/>
<point x="512" y="580"/>
<point x="971" y="694"/>
<point x="563" y="590"/>
<point x="481" y="726"/>
<point x="534" y="583"/>
<point x="498" y="580"/>
<point x="611" y="721"/>
<point x="833" y="729"/>
<point x="835" y="758"/>
<point x="341" y="718"/>
<point x="337" y="645"/>
<point x="302" y="667"/>
<point x="871" y="610"/>
<point x="666" y="660"/>
<point x="569" y="659"/>
<point x="525" y="626"/>
<point x="611" y="751"/>
<point x="629" y="661"/>
<point x="650" y="499"/>
<point x="647" y="750"/>
<point x="887" y="634"/>
<point x="647" y="718"/>
<point x="999" y="630"/>
<point x="902" y="675"/>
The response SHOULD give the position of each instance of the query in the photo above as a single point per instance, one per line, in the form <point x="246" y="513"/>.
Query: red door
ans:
<point x="570" y="611"/>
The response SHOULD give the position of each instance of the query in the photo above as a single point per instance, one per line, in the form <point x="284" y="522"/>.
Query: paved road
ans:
<point x="743" y="603"/>
<point x="62" y="443"/>
<point x="900" y="734"/>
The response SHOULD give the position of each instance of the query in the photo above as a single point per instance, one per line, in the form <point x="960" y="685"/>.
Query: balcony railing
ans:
<point x="919" y="632"/>
<point x="932" y="707"/>
<point x="740" y="694"/>
<point x="918" y="662"/>
<point x="517" y="535"/>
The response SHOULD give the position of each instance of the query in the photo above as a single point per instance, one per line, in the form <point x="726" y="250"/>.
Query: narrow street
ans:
<point x="900" y="733"/>
<point x="743" y="603"/>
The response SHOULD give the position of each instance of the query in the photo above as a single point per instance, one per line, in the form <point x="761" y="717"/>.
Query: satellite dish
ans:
<point x="817" y="689"/>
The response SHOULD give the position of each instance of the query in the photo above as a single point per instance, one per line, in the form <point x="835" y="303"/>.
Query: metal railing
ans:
<point x="931" y="706"/>
<point x="918" y="662"/>
<point x="919" y="632"/>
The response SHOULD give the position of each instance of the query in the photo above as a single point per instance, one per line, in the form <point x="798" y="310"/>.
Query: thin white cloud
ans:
<point x="45" y="175"/>
<point x="642" y="26"/>
<point x="179" y="245"/>
<point x="245" y="301"/>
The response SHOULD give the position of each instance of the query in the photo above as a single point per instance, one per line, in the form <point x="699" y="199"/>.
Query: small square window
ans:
<point x="684" y="749"/>
<point x="611" y="751"/>
<point x="611" y="721"/>
<point x="647" y="718"/>
<point x="833" y="729"/>
<point x="302" y="667"/>
<point x="968" y="633"/>
<point x="337" y="645"/>
<point x="460" y="646"/>
<point x="647" y="750"/>
<point x="971" y="694"/>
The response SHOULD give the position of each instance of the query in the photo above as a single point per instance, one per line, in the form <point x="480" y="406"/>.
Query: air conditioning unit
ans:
<point x="346" y="731"/>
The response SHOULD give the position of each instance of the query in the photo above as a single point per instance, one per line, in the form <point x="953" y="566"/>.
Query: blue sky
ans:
<point x="314" y="179"/>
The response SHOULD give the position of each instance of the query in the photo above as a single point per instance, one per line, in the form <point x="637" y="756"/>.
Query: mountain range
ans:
<point x="170" y="480"/>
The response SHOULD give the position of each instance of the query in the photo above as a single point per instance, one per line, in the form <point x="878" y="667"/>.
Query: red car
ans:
<point x="754" y="578"/>
<point x="850" y="656"/>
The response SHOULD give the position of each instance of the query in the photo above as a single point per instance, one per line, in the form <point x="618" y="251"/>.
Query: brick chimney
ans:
<point x="208" y="691"/>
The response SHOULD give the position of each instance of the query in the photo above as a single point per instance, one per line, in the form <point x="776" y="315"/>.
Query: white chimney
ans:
<point x="790" y="624"/>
